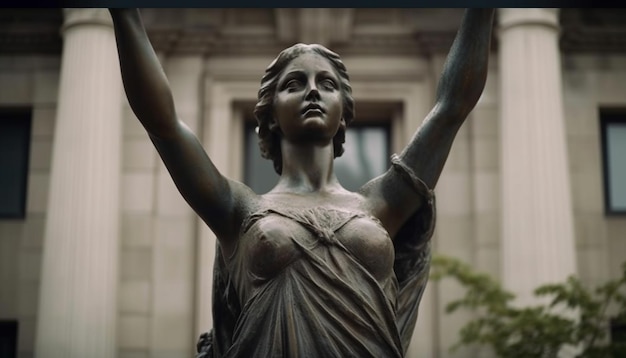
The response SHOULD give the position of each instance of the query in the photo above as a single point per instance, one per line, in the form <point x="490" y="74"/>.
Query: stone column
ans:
<point x="537" y="225"/>
<point x="78" y="297"/>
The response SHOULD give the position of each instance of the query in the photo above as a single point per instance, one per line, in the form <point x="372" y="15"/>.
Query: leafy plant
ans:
<point x="538" y="331"/>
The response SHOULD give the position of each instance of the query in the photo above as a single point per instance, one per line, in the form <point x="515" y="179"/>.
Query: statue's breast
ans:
<point x="370" y="244"/>
<point x="269" y="245"/>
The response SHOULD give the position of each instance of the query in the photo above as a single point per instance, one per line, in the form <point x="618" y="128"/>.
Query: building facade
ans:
<point x="104" y="258"/>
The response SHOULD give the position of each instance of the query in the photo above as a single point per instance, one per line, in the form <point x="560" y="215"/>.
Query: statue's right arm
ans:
<point x="211" y="195"/>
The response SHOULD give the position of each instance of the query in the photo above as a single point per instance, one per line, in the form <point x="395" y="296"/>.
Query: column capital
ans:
<point x="89" y="16"/>
<point x="508" y="18"/>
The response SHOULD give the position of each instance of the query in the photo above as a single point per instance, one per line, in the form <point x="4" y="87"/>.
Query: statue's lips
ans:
<point x="312" y="109"/>
<point x="313" y="112"/>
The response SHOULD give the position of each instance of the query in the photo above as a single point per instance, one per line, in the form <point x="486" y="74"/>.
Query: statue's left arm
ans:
<point x="460" y="86"/>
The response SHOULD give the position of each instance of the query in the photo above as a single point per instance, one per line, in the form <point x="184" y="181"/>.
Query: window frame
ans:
<point x="609" y="116"/>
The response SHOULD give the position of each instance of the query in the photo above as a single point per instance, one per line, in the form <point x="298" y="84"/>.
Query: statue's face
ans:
<point x="308" y="104"/>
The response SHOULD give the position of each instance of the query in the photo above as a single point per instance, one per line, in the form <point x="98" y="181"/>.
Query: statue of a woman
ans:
<point x="311" y="269"/>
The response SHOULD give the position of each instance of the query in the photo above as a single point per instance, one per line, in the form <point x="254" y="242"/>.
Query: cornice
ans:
<point x="30" y="31"/>
<point x="267" y="31"/>
<point x="593" y="30"/>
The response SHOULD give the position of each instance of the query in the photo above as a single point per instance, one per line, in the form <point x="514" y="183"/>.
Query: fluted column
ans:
<point x="77" y="305"/>
<point x="537" y="225"/>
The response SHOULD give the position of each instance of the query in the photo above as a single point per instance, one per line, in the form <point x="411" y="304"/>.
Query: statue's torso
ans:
<point x="273" y="234"/>
<point x="315" y="276"/>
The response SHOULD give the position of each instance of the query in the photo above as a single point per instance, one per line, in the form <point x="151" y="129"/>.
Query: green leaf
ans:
<point x="538" y="331"/>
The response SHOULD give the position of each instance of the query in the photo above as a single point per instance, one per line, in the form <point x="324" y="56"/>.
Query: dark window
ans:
<point x="618" y="337"/>
<point x="8" y="339"/>
<point x="14" y="153"/>
<point x="366" y="156"/>
<point x="613" y="131"/>
<point x="259" y="172"/>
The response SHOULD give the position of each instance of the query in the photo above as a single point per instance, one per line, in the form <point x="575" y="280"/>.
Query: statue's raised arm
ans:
<point x="460" y="86"/>
<point x="210" y="194"/>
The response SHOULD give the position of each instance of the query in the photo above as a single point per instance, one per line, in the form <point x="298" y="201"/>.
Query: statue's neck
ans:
<point x="307" y="167"/>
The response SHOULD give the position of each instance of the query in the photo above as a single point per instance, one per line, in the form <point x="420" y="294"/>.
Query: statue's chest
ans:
<point x="273" y="240"/>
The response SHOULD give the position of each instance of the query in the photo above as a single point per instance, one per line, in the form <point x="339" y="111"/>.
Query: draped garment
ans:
<point x="322" y="300"/>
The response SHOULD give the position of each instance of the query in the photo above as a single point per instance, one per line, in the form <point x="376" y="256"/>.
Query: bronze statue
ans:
<point x="310" y="269"/>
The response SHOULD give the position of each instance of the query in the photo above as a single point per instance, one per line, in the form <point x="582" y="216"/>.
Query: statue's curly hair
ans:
<point x="269" y="141"/>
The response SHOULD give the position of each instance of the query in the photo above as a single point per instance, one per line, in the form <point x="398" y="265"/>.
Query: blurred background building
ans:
<point x="100" y="256"/>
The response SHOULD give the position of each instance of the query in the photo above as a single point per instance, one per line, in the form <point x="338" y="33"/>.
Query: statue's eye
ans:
<point x="328" y="84"/>
<point x="292" y="85"/>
